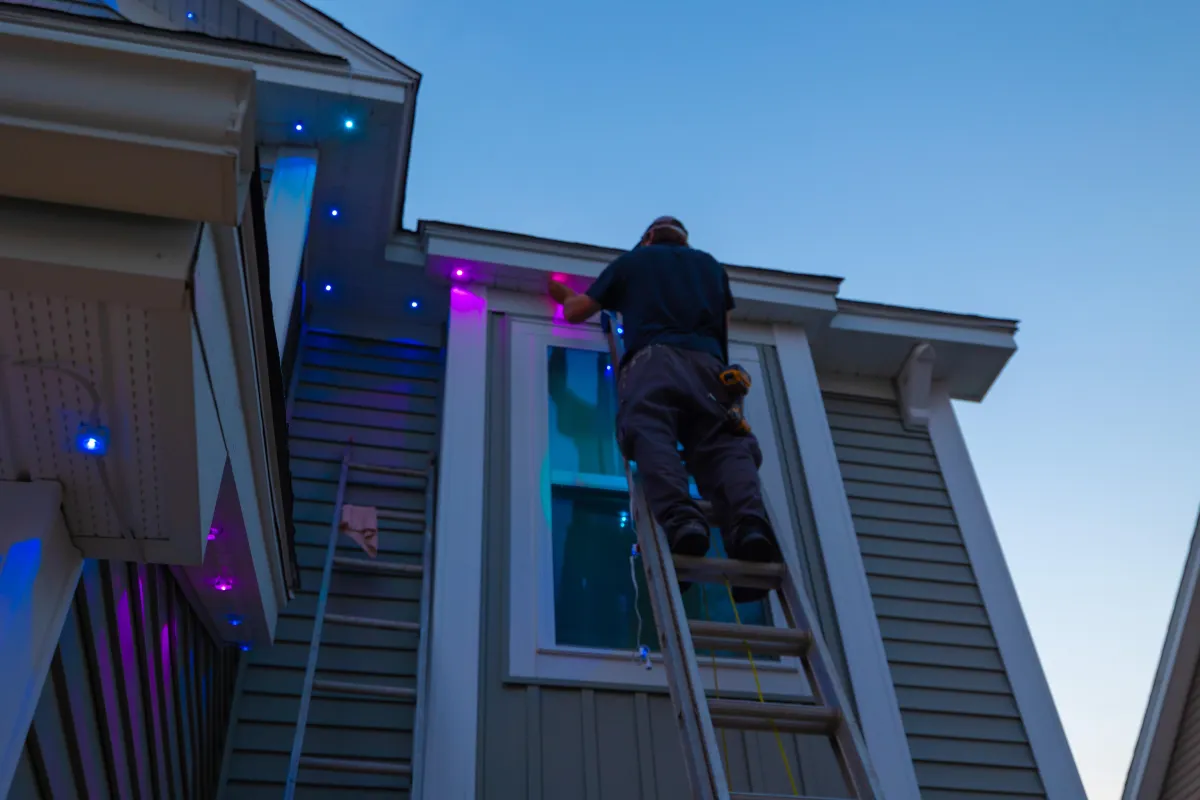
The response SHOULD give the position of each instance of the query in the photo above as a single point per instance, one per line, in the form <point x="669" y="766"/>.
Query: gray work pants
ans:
<point x="670" y="395"/>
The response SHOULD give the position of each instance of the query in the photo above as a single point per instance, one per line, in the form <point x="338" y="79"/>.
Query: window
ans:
<point x="579" y="606"/>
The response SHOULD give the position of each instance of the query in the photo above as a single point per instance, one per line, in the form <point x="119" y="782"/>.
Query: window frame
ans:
<point x="533" y="654"/>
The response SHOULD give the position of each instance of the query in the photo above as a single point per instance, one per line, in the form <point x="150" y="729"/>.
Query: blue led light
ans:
<point x="333" y="212"/>
<point x="299" y="126"/>
<point x="608" y="367"/>
<point x="620" y="331"/>
<point x="348" y="124"/>
<point x="191" y="15"/>
<point x="414" y="304"/>
<point x="91" y="440"/>
<point x="328" y="288"/>
<point x="234" y="620"/>
<point x="245" y="647"/>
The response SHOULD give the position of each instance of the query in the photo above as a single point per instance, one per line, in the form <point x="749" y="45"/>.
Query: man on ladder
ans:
<point x="675" y="385"/>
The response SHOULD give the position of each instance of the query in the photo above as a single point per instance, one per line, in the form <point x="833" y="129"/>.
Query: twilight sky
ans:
<point x="1029" y="159"/>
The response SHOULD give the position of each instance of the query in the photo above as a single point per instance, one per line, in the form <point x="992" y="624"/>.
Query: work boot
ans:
<point x="689" y="539"/>
<point x="752" y="541"/>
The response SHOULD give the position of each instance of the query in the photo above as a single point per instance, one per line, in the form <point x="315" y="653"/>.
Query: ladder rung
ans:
<point x="374" y="689"/>
<point x="372" y="622"/>
<point x="758" y="638"/>
<point x="401" y="516"/>
<point x="414" y="570"/>
<point x="381" y="470"/>
<point x="738" y="573"/>
<point x="790" y="717"/>
<point x="356" y="765"/>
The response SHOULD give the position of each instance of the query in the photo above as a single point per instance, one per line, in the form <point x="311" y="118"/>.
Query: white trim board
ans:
<point x="1169" y="692"/>
<point x="1038" y="712"/>
<point x="452" y="693"/>
<point x="871" y="677"/>
<point x="533" y="652"/>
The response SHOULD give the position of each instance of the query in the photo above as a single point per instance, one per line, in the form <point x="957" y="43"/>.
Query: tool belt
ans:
<point x="737" y="385"/>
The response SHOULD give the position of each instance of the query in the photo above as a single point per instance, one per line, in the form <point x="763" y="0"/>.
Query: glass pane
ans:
<point x="582" y="413"/>
<point x="595" y="604"/>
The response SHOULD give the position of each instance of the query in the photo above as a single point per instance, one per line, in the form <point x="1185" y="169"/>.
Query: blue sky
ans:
<point x="1036" y="160"/>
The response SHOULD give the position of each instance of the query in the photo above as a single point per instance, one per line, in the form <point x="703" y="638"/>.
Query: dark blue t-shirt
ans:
<point x="668" y="294"/>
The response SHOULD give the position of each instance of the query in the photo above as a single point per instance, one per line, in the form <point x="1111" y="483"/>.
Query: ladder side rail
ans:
<point x="314" y="647"/>
<point x="706" y="772"/>
<point x="420" y="714"/>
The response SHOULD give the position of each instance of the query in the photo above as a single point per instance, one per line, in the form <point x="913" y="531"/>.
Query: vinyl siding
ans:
<point x="964" y="730"/>
<point x="81" y="8"/>
<point x="386" y="395"/>
<point x="545" y="742"/>
<point x="137" y="699"/>
<point x="1182" y="781"/>
<point x="228" y="19"/>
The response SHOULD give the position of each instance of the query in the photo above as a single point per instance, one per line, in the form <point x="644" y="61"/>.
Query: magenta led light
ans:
<point x="222" y="583"/>
<point x="213" y="533"/>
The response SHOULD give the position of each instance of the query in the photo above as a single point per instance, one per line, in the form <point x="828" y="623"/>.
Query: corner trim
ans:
<point x="449" y="762"/>
<point x="1038" y="712"/>
<point x="866" y="660"/>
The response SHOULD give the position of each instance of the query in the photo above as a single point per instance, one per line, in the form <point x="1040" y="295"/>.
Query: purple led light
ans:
<point x="213" y="532"/>
<point x="222" y="583"/>
<point x="458" y="273"/>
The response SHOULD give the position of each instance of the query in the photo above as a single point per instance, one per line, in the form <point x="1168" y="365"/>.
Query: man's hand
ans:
<point x="560" y="292"/>
<point x="576" y="307"/>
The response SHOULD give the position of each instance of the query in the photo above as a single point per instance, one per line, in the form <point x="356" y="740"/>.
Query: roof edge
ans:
<point x="590" y="252"/>
<point x="1168" y="692"/>
<point x="319" y="30"/>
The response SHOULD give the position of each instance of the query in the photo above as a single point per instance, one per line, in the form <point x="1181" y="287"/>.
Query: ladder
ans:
<point x="697" y="714"/>
<point x="327" y="687"/>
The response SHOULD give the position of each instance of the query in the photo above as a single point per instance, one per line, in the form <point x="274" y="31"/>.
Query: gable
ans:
<point x="226" y="19"/>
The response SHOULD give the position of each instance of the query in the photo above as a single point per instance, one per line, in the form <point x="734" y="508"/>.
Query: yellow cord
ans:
<point x="716" y="680"/>
<point x="787" y="765"/>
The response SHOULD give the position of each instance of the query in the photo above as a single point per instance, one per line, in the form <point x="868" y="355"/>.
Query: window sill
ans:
<point x="620" y="669"/>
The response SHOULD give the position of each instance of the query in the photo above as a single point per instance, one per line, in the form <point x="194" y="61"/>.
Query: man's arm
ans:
<point x="605" y="292"/>
<point x="576" y="307"/>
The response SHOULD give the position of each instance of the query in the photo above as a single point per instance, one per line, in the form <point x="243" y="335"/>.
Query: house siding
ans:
<point x="138" y="695"/>
<point x="964" y="730"/>
<point x="1182" y="781"/>
<point x="545" y="742"/>
<point x="80" y="8"/>
<point x="386" y="394"/>
<point x="227" y="19"/>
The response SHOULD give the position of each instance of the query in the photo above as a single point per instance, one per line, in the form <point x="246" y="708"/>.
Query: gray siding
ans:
<point x="386" y="395"/>
<point x="137" y="699"/>
<point x="1183" y="772"/>
<point x="227" y="19"/>
<point x="546" y="742"/>
<point x="964" y="730"/>
<point x="81" y="8"/>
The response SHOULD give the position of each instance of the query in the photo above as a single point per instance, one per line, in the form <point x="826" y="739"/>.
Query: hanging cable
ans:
<point x="787" y="765"/>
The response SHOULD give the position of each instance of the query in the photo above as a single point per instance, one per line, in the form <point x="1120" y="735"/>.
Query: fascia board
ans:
<point x="325" y="35"/>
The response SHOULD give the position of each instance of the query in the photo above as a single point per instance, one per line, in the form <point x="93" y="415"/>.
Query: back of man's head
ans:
<point x="665" y="230"/>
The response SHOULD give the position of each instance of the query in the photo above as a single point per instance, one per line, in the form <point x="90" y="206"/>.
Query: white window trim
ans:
<point x="452" y="692"/>
<point x="533" y="655"/>
<point x="1031" y="691"/>
<point x="871" y="677"/>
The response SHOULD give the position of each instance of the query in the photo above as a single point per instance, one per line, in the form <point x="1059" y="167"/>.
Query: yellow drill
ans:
<point x="737" y="382"/>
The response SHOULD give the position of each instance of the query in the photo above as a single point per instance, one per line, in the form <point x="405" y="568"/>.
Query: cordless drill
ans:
<point x="737" y="383"/>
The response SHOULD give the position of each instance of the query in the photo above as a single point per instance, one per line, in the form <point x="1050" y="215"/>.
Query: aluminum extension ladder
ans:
<point x="697" y="714"/>
<point x="335" y="688"/>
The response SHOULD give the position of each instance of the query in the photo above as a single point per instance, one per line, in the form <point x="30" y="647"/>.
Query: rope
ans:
<point x="787" y="765"/>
